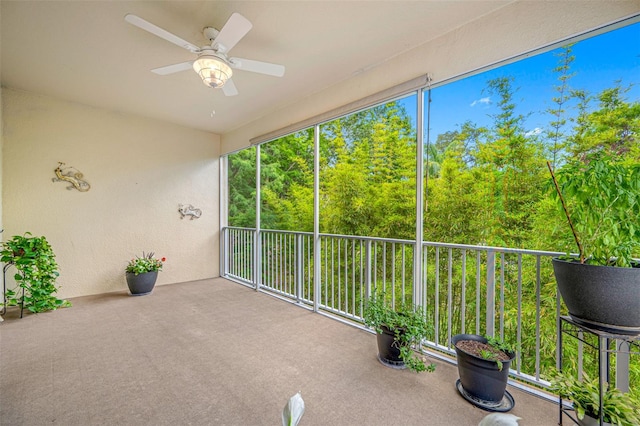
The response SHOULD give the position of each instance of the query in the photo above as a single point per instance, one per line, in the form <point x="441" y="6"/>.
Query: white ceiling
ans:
<point x="85" y="52"/>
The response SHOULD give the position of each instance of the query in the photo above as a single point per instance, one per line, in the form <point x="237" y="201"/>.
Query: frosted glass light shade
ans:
<point x="213" y="72"/>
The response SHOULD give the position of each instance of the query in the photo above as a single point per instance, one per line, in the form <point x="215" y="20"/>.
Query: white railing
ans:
<point x="510" y="293"/>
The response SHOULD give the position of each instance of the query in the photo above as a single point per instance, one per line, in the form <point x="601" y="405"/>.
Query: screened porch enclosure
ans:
<point x="436" y="205"/>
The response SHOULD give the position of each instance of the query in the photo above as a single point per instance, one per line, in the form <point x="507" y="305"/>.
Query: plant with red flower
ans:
<point x="146" y="263"/>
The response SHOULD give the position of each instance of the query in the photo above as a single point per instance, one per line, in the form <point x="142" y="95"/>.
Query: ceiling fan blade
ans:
<point x="229" y="89"/>
<point x="170" y="69"/>
<point x="257" y="66"/>
<point x="236" y="27"/>
<point x="162" y="33"/>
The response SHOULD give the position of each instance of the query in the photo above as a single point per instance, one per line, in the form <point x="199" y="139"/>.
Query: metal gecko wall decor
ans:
<point x="71" y="175"/>
<point x="189" y="210"/>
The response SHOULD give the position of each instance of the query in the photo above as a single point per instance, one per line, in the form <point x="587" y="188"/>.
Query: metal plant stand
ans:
<point x="568" y="326"/>
<point x="4" y="291"/>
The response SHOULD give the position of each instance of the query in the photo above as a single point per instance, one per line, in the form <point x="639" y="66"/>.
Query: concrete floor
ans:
<point x="214" y="352"/>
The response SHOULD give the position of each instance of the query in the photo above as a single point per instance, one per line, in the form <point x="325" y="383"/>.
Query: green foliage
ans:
<point x="618" y="408"/>
<point x="406" y="321"/>
<point x="613" y="127"/>
<point x="491" y="356"/>
<point x="556" y="132"/>
<point x="367" y="177"/>
<point x="146" y="263"/>
<point x="486" y="185"/>
<point x="242" y="188"/>
<point x="35" y="261"/>
<point x="603" y="197"/>
<point x="496" y="345"/>
<point x="286" y="179"/>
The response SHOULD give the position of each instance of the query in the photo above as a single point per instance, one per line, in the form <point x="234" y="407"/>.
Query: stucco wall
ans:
<point x="1" y="151"/>
<point x="139" y="170"/>
<point x="514" y="29"/>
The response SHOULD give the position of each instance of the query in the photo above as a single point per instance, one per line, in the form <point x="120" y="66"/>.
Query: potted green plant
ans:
<point x="483" y="367"/>
<point x="622" y="409"/>
<point x="142" y="273"/>
<point x="600" y="286"/>
<point x="37" y="271"/>
<point x="399" y="326"/>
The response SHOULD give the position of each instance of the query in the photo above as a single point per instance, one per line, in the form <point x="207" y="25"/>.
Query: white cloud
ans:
<point x="534" y="132"/>
<point x="485" y="101"/>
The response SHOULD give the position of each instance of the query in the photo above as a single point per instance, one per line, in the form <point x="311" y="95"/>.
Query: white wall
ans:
<point x="139" y="170"/>
<point x="514" y="29"/>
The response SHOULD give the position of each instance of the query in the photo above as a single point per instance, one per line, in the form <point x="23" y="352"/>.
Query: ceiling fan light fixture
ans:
<point x="213" y="71"/>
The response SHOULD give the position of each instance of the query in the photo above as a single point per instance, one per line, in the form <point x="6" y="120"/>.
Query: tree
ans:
<point x="555" y="134"/>
<point x="242" y="188"/>
<point x="614" y="127"/>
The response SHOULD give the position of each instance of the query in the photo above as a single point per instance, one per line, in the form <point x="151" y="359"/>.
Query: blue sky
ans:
<point x="599" y="62"/>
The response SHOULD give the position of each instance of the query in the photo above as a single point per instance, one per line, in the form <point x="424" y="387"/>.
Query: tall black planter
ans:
<point x="389" y="349"/>
<point x="141" y="284"/>
<point x="481" y="379"/>
<point x="602" y="297"/>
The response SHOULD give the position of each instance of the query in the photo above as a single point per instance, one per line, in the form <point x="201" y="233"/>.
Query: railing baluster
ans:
<point x="333" y="274"/>
<point x="353" y="278"/>
<point x="501" y="308"/>
<point x="333" y="304"/>
<point x="436" y="293"/>
<point x="519" y="319"/>
<point x="449" y="293"/>
<point x="622" y="364"/>
<point x="368" y="270"/>
<point x="384" y="266"/>
<point x="491" y="293"/>
<point x="477" y="292"/>
<point x="403" y="276"/>
<point x="326" y="271"/>
<point x="393" y="275"/>
<point x="361" y="307"/>
<point x="538" y="313"/>
<point x="425" y="274"/>
<point x="298" y="271"/>
<point x="375" y="267"/>
<point x="463" y="294"/>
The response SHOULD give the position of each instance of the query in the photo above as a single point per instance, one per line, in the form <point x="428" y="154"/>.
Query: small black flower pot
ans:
<point x="389" y="349"/>
<point x="141" y="284"/>
<point x="480" y="378"/>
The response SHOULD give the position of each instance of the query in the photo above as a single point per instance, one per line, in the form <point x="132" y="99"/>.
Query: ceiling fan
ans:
<point x="212" y="63"/>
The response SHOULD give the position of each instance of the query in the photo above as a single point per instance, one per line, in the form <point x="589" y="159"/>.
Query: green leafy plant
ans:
<point x="494" y="350"/>
<point x="602" y="208"/>
<point x="37" y="269"/>
<point x="618" y="408"/>
<point x="497" y="343"/>
<point x="406" y="321"/>
<point x="146" y="263"/>
<point x="490" y="355"/>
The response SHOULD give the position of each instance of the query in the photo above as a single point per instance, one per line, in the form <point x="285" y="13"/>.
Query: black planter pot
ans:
<point x="141" y="284"/>
<point x="602" y="297"/>
<point x="389" y="349"/>
<point x="481" y="378"/>
<point x="589" y="420"/>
